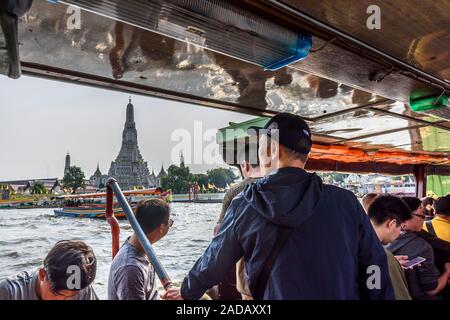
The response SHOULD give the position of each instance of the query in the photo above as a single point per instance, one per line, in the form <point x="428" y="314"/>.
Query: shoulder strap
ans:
<point x="282" y="236"/>
<point x="430" y="227"/>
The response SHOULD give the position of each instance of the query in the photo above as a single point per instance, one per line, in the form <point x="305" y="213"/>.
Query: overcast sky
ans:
<point x="42" y="120"/>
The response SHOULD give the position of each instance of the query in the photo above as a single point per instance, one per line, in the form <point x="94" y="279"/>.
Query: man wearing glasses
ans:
<point x="66" y="274"/>
<point x="131" y="276"/>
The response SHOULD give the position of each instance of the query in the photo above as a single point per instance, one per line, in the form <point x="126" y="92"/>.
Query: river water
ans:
<point x="27" y="235"/>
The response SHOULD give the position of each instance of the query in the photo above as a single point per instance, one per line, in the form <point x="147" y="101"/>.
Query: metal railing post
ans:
<point x="159" y="269"/>
<point x="112" y="220"/>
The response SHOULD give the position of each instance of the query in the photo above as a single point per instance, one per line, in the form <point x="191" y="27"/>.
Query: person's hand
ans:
<point x="216" y="229"/>
<point x="172" y="293"/>
<point x="402" y="259"/>
<point x="447" y="268"/>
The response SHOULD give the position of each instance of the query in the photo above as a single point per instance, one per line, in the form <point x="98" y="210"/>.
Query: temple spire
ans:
<point x="130" y="113"/>
<point x="129" y="168"/>
<point x="98" y="172"/>
<point x="181" y="159"/>
<point x="67" y="164"/>
<point x="162" y="172"/>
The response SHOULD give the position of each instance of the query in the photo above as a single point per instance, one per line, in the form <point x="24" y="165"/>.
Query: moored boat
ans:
<point x="94" y="205"/>
<point x="93" y="213"/>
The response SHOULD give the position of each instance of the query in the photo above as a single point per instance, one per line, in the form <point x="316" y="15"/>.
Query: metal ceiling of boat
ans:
<point x="331" y="88"/>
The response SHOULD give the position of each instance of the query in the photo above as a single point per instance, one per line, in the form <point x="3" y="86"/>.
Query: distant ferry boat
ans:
<point x="404" y="189"/>
<point x="93" y="205"/>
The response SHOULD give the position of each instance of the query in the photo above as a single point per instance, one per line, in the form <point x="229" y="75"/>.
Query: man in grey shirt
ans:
<point x="67" y="274"/>
<point x="131" y="276"/>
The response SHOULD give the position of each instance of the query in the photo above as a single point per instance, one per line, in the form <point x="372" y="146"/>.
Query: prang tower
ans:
<point x="129" y="169"/>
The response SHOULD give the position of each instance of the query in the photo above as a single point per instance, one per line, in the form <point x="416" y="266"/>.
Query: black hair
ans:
<point x="387" y="207"/>
<point x="62" y="256"/>
<point x="292" y="154"/>
<point x="427" y="201"/>
<point x="413" y="203"/>
<point x="151" y="213"/>
<point x="442" y="205"/>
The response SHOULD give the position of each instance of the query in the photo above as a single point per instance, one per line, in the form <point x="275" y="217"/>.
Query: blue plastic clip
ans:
<point x="301" y="51"/>
<point x="53" y="1"/>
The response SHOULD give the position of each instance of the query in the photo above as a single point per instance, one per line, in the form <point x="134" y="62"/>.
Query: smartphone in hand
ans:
<point x="414" y="262"/>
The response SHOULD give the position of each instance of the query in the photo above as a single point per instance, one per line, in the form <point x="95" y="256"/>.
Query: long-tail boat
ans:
<point x="93" y="205"/>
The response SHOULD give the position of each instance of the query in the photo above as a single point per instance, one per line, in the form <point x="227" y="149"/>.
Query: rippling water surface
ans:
<point x="27" y="235"/>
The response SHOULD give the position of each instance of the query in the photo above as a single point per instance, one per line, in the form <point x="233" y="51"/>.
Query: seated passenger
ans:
<point x="131" y="276"/>
<point x="427" y="207"/>
<point x="66" y="274"/>
<point x="387" y="214"/>
<point x="440" y="225"/>
<point x="425" y="282"/>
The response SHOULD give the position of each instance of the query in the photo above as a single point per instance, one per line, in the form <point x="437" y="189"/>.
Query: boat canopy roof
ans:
<point x="337" y="157"/>
<point x="355" y="87"/>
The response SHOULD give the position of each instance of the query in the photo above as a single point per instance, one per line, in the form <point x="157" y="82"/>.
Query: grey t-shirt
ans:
<point x="131" y="276"/>
<point x="23" y="287"/>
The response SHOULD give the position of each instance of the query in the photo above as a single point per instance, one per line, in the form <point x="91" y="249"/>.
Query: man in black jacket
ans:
<point x="330" y="249"/>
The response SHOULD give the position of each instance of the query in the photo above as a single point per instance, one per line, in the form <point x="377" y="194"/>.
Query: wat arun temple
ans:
<point x="129" y="168"/>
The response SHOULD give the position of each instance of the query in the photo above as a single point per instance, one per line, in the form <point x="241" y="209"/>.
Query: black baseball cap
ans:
<point x="293" y="132"/>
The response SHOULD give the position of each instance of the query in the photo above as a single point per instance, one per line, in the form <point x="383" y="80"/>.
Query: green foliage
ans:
<point x="38" y="188"/>
<point x="73" y="178"/>
<point x="221" y="177"/>
<point x="177" y="179"/>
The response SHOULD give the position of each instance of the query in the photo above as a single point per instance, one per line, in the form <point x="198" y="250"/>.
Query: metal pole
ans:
<point x="159" y="269"/>
<point x="112" y="220"/>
